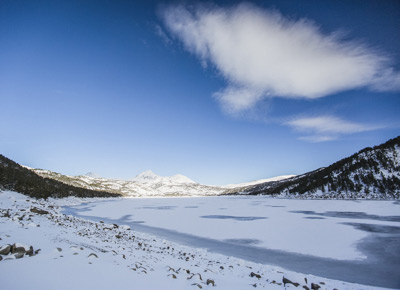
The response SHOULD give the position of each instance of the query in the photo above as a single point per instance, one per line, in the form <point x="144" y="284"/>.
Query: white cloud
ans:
<point x="263" y="54"/>
<point x="326" y="128"/>
<point x="234" y="99"/>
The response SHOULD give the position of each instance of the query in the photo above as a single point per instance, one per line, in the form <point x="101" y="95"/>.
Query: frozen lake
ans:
<point x="355" y="241"/>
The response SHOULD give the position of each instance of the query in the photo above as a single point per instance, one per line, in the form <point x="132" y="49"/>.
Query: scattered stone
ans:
<point x="92" y="255"/>
<point x="306" y="288"/>
<point x="210" y="281"/>
<point x="30" y="251"/>
<point x="315" y="286"/>
<point x="1" y="258"/>
<point x="19" y="255"/>
<point x="258" y="276"/>
<point x="59" y="249"/>
<point x="18" y="248"/>
<point x="172" y="269"/>
<point x="118" y="236"/>
<point x="173" y="276"/>
<point x="5" y="250"/>
<point x="198" y="285"/>
<point x="38" y="210"/>
<point x="190" y="277"/>
<point x="287" y="281"/>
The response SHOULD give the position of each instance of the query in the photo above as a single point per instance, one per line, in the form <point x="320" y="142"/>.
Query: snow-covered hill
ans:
<point x="372" y="173"/>
<point x="259" y="181"/>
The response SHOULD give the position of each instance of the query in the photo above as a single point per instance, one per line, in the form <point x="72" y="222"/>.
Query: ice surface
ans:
<point x="280" y="224"/>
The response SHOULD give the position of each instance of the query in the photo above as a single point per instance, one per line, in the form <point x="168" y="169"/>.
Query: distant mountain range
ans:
<point x="145" y="184"/>
<point x="372" y="173"/>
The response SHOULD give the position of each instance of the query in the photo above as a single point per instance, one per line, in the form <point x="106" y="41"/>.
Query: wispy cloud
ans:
<point x="327" y="128"/>
<point x="160" y="32"/>
<point x="262" y="54"/>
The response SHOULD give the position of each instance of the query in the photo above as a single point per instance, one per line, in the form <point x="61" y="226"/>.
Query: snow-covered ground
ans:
<point x="77" y="253"/>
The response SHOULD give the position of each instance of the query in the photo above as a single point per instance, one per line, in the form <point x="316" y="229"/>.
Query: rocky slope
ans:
<point x="372" y="173"/>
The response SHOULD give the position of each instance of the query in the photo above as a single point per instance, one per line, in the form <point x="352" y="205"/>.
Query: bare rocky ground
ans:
<point x="41" y="248"/>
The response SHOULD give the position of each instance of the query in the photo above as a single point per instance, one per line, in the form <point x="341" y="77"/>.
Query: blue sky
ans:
<point x="222" y="92"/>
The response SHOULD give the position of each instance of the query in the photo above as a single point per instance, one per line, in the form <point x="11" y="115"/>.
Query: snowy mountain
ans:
<point x="92" y="174"/>
<point x="146" y="184"/>
<point x="149" y="176"/>
<point x="372" y="173"/>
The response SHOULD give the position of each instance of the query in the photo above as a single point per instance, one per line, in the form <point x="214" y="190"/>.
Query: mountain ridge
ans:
<point x="145" y="184"/>
<point x="372" y="173"/>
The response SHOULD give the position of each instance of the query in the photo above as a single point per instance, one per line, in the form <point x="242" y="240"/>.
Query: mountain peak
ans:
<point x="146" y="176"/>
<point x="92" y="174"/>
<point x="179" y="178"/>
<point x="149" y="176"/>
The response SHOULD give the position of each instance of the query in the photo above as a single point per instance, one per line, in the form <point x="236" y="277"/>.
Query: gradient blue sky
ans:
<point x="118" y="87"/>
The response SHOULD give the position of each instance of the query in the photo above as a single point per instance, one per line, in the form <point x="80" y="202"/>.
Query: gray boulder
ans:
<point x="16" y="248"/>
<point x="5" y="250"/>
<point x="18" y="255"/>
<point x="38" y="210"/>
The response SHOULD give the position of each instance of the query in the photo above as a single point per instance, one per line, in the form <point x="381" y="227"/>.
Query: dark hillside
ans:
<point x="18" y="178"/>
<point x="371" y="173"/>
